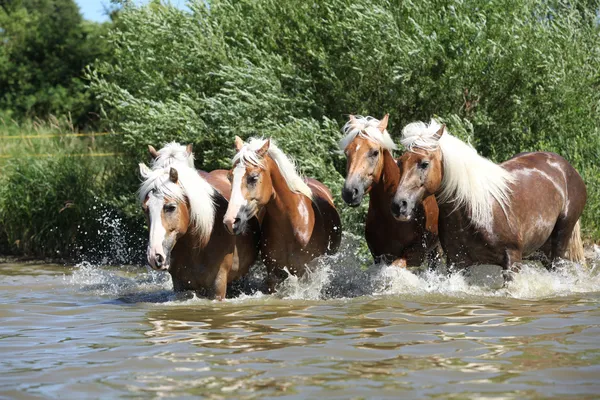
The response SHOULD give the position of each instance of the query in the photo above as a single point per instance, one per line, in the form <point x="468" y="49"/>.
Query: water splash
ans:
<point x="345" y="275"/>
<point x="107" y="238"/>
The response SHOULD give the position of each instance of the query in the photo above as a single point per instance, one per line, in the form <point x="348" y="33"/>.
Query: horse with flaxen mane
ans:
<point x="300" y="221"/>
<point x="490" y="213"/>
<point x="184" y="208"/>
<point x="371" y="169"/>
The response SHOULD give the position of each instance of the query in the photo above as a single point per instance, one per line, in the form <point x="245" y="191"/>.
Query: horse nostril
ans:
<point x="395" y="208"/>
<point x="354" y="192"/>
<point x="236" y="222"/>
<point x="159" y="260"/>
<point x="403" y="204"/>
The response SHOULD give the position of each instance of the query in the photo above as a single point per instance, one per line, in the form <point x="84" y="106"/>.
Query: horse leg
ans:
<point x="220" y="285"/>
<point x="399" y="263"/>
<point x="511" y="265"/>
<point x="560" y="237"/>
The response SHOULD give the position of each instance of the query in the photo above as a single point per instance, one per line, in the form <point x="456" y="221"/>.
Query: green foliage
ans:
<point x="509" y="76"/>
<point x="45" y="47"/>
<point x="57" y="200"/>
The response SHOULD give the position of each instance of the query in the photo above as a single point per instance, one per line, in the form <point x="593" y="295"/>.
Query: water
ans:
<point x="94" y="331"/>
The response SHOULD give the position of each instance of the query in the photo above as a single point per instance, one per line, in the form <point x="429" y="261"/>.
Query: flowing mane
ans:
<point x="366" y="127"/>
<point x="191" y="186"/>
<point x="287" y="168"/>
<point x="173" y="154"/>
<point x="469" y="179"/>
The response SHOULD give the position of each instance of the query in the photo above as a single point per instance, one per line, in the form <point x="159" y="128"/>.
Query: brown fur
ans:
<point x="538" y="215"/>
<point x="208" y="267"/>
<point x="389" y="240"/>
<point x="295" y="229"/>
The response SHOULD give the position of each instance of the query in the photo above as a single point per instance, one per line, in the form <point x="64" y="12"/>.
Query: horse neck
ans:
<point x="385" y="185"/>
<point x="283" y="207"/>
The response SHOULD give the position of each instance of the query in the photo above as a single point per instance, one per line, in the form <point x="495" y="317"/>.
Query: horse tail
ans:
<point x="575" y="246"/>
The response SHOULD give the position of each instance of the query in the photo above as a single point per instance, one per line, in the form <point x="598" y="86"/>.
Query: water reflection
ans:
<point x="62" y="336"/>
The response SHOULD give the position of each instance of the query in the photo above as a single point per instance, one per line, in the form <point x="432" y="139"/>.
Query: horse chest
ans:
<point x="281" y="248"/>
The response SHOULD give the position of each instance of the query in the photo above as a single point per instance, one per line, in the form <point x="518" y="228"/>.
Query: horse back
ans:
<point x="323" y="204"/>
<point x="218" y="179"/>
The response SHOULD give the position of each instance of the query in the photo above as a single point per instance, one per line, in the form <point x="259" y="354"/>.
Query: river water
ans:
<point x="91" y="331"/>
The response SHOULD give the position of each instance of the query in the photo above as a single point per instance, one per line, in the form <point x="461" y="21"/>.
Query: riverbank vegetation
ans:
<point x="509" y="76"/>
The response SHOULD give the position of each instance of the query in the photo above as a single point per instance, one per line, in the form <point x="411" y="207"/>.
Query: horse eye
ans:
<point x="252" y="179"/>
<point x="170" y="207"/>
<point x="424" y="164"/>
<point x="230" y="176"/>
<point x="374" y="153"/>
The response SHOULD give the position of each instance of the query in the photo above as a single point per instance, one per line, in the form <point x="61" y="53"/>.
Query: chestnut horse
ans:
<point x="491" y="213"/>
<point x="300" y="221"/>
<point x="184" y="209"/>
<point x="371" y="169"/>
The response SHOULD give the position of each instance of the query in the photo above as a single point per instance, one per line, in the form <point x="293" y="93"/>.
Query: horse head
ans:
<point x="364" y="146"/>
<point x="176" y="201"/>
<point x="421" y="172"/>
<point x="251" y="185"/>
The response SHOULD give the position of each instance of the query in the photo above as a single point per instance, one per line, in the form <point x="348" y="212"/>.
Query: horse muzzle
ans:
<point x="233" y="225"/>
<point x="402" y="209"/>
<point x="158" y="261"/>
<point x="353" y="195"/>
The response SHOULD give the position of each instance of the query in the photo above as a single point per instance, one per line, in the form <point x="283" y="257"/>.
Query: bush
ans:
<point x="513" y="76"/>
<point x="59" y="202"/>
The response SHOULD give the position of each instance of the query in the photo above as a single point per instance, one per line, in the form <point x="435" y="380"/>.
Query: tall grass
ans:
<point x="54" y="197"/>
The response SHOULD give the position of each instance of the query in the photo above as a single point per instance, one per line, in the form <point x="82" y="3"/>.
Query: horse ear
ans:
<point x="383" y="123"/>
<point x="238" y="144"/>
<point x="440" y="132"/>
<point x="352" y="118"/>
<point x="144" y="171"/>
<point x="263" y="150"/>
<point x="173" y="175"/>
<point x="153" y="152"/>
<point x="188" y="149"/>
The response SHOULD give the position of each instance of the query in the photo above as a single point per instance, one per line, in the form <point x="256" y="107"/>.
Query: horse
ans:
<point x="490" y="213"/>
<point x="371" y="169"/>
<point x="184" y="208"/>
<point x="299" y="219"/>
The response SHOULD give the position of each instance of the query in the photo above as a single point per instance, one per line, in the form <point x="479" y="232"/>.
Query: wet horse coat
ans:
<point x="184" y="208"/>
<point x="492" y="213"/>
<point x="371" y="169"/>
<point x="300" y="222"/>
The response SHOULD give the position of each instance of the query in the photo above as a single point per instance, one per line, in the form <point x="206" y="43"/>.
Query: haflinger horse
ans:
<point x="489" y="213"/>
<point x="299" y="221"/>
<point x="184" y="208"/>
<point x="371" y="169"/>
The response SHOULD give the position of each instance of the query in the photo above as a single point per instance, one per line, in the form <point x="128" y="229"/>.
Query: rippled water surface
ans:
<point x="90" y="332"/>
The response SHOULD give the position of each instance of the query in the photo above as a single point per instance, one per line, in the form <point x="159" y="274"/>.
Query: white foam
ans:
<point x="344" y="276"/>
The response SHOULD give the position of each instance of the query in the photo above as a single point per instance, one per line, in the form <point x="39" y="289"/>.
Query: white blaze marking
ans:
<point x="157" y="231"/>
<point x="237" y="198"/>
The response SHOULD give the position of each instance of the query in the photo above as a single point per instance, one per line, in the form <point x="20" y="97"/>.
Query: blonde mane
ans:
<point x="366" y="127"/>
<point x="287" y="168"/>
<point x="191" y="186"/>
<point x="469" y="179"/>
<point x="173" y="154"/>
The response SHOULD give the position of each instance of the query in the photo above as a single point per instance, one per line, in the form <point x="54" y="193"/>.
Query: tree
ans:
<point x="44" y="47"/>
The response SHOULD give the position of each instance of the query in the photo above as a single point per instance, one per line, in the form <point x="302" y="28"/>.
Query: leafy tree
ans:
<point x="44" y="47"/>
